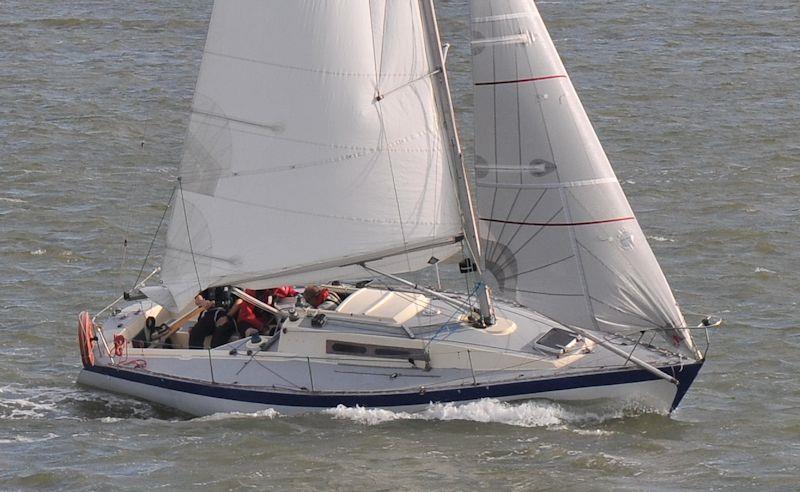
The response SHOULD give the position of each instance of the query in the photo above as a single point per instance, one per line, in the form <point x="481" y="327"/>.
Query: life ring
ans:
<point x="86" y="339"/>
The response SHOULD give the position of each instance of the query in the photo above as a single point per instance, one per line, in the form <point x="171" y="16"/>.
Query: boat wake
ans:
<point x="19" y="402"/>
<point x="27" y="439"/>
<point x="269" y="413"/>
<point x="528" y="414"/>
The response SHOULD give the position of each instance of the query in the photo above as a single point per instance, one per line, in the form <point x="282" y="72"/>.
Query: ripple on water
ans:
<point x="21" y="402"/>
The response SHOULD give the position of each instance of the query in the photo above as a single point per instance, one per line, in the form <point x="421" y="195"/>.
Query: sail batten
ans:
<point x="559" y="234"/>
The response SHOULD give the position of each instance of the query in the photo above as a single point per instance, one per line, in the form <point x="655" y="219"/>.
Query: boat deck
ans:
<point x="417" y="343"/>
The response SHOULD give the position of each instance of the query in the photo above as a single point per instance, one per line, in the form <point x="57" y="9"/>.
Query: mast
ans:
<point x="466" y="207"/>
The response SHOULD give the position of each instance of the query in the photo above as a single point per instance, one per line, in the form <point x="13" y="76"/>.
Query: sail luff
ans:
<point x="466" y="205"/>
<point x="465" y="201"/>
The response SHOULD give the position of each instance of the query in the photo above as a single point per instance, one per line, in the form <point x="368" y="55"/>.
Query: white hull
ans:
<point x="308" y="368"/>
<point x="658" y="395"/>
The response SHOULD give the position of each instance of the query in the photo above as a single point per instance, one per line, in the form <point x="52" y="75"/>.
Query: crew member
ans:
<point x="218" y="319"/>
<point x="321" y="298"/>
<point x="253" y="319"/>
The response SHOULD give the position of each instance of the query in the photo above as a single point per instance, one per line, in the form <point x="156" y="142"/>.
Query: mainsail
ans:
<point x="315" y="143"/>
<point x="560" y="236"/>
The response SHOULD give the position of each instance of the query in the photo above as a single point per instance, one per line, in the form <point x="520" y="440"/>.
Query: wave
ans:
<point x="95" y="22"/>
<point x="528" y="414"/>
<point x="25" y="439"/>
<point x="268" y="413"/>
<point x="661" y="239"/>
<point x="60" y="254"/>
<point x="21" y="408"/>
<point x="12" y="200"/>
<point x="19" y="402"/>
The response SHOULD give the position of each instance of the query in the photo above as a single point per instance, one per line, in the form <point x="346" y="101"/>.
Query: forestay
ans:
<point x="560" y="236"/>
<point x="315" y="143"/>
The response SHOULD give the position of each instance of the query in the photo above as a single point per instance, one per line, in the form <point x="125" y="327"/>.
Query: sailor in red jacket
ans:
<point x="252" y="319"/>
<point x="321" y="298"/>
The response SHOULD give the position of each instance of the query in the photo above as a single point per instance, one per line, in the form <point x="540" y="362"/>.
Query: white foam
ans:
<point x="38" y="252"/>
<point x="24" y="439"/>
<point x="269" y="413"/>
<point x="22" y="408"/>
<point x="661" y="239"/>
<point x="369" y="416"/>
<point x="763" y="270"/>
<point x="528" y="414"/>
<point x="38" y="402"/>
<point x="592" y="432"/>
<point x="11" y="200"/>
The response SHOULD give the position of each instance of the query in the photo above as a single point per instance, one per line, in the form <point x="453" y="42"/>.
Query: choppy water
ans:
<point x="697" y="106"/>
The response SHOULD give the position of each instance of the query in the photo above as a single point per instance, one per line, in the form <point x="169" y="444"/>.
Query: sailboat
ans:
<point x="322" y="148"/>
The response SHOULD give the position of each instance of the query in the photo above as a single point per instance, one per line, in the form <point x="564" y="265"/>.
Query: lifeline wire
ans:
<point x="445" y="324"/>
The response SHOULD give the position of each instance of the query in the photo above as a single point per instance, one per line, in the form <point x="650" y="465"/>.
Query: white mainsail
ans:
<point x="315" y="143"/>
<point x="560" y="236"/>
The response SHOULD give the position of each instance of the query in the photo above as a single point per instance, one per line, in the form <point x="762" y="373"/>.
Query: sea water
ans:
<point x="696" y="104"/>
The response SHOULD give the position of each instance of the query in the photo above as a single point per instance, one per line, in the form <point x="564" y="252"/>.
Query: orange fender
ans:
<point x="86" y="339"/>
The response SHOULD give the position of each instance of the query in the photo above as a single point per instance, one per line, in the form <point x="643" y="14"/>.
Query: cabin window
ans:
<point x="391" y="352"/>
<point x="347" y="348"/>
<point x="557" y="341"/>
<point x="367" y="350"/>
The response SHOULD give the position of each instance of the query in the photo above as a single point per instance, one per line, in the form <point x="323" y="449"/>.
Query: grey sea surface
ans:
<point x="697" y="105"/>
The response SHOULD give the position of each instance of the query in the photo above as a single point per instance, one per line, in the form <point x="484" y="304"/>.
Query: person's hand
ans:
<point x="222" y="320"/>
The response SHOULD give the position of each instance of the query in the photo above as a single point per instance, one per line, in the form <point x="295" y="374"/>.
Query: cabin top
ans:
<point x="391" y="305"/>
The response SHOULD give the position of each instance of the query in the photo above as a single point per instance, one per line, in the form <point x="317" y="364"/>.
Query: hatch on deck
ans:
<point x="397" y="306"/>
<point x="558" y="341"/>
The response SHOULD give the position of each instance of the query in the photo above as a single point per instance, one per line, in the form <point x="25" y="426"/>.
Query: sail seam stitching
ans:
<point x="520" y="81"/>
<point x="546" y="186"/>
<point x="560" y="224"/>
<point x="311" y="70"/>
<point x="502" y="17"/>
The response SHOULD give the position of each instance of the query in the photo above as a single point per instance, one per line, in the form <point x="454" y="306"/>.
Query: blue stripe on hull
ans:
<point x="685" y="375"/>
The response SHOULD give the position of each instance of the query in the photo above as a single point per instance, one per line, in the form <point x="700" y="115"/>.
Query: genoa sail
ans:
<point x="559" y="234"/>
<point x="315" y="143"/>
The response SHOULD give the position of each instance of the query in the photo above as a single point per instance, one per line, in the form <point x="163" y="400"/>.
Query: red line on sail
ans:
<point x="561" y="224"/>
<point x="534" y="79"/>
